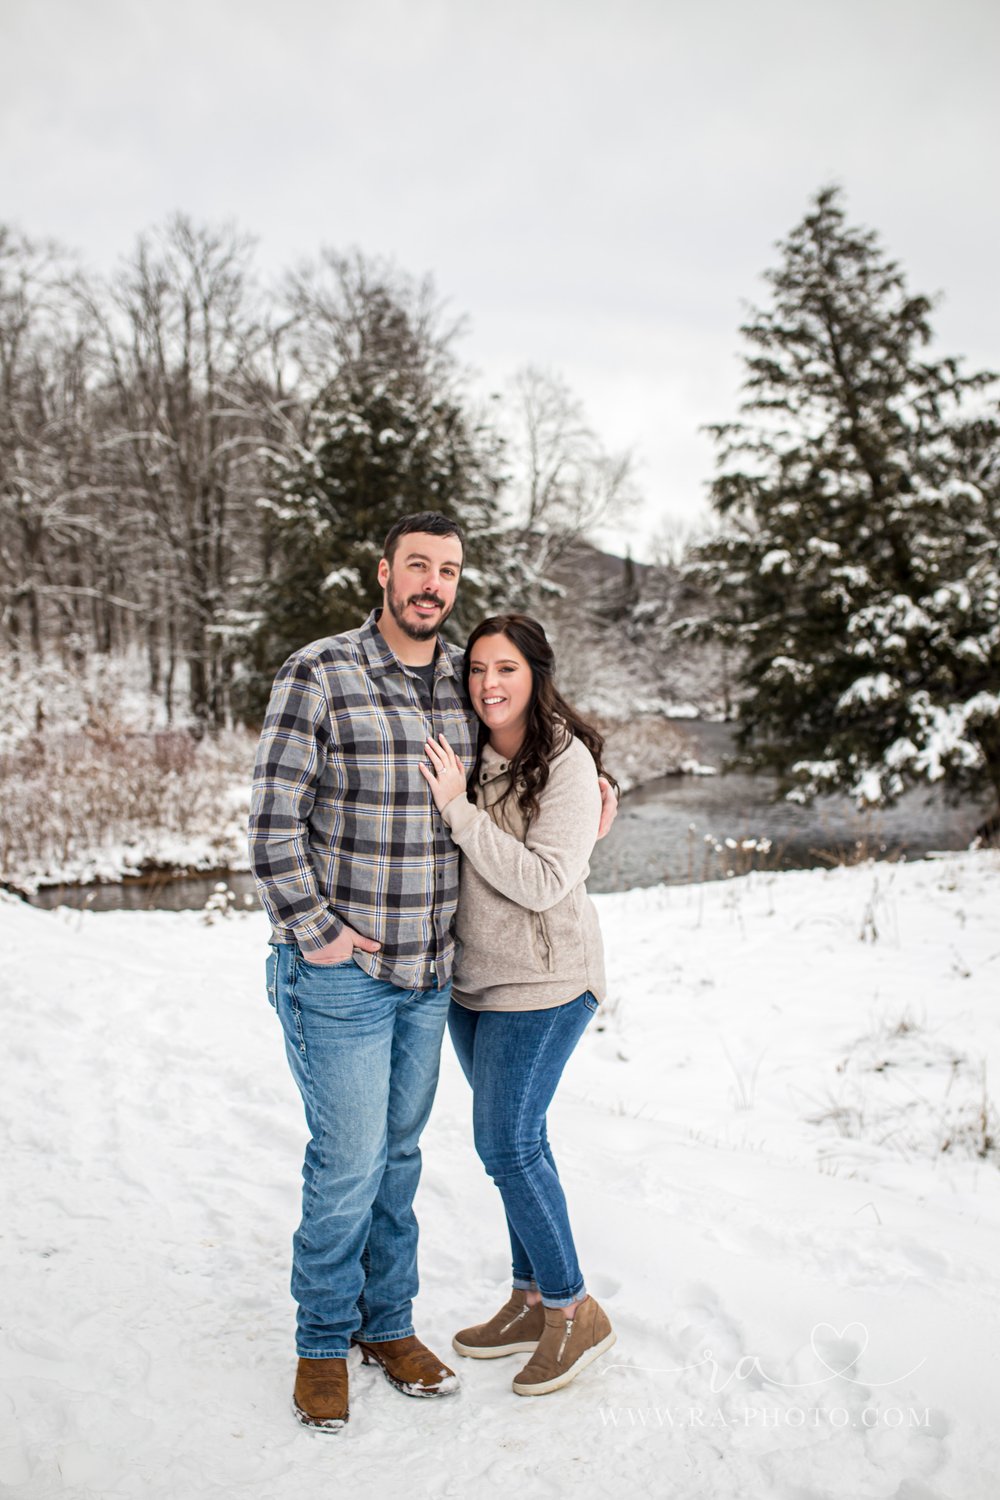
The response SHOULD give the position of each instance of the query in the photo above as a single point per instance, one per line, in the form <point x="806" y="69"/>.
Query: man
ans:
<point x="360" y="879"/>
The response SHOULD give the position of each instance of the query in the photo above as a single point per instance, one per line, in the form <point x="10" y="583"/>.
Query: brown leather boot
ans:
<point x="410" y="1366"/>
<point x="567" y="1346"/>
<point x="515" y="1329"/>
<point x="320" y="1399"/>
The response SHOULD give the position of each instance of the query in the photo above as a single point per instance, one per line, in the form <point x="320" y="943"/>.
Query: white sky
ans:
<point x="596" y="185"/>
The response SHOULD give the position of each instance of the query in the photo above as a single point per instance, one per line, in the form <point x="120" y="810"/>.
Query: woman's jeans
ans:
<point x="513" y="1060"/>
<point x="365" y="1056"/>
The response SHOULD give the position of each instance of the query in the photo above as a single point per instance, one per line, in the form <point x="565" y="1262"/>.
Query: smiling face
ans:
<point x="500" y="686"/>
<point x="420" y="583"/>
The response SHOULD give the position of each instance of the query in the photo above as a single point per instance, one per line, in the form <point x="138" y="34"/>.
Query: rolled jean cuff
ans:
<point x="564" y="1301"/>
<point x="322" y="1353"/>
<point x="383" y="1338"/>
<point x="524" y="1283"/>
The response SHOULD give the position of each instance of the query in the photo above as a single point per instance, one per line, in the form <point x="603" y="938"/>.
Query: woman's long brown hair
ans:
<point x="549" y="715"/>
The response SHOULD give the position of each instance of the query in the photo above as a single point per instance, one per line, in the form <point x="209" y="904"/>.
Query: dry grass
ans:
<point x="66" y="798"/>
<point x="905" y="1087"/>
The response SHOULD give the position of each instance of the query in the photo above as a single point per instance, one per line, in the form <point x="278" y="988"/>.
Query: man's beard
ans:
<point x="422" y="631"/>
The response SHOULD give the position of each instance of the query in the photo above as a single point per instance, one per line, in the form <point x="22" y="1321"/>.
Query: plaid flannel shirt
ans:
<point x="343" y="828"/>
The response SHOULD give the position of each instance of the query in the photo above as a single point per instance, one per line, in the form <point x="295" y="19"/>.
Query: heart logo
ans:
<point x="839" y="1343"/>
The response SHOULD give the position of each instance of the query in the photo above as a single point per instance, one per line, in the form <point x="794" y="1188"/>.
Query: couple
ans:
<point x="360" y="811"/>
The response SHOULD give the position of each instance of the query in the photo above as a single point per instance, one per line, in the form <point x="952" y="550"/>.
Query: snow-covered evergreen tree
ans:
<point x="387" y="434"/>
<point x="857" y="562"/>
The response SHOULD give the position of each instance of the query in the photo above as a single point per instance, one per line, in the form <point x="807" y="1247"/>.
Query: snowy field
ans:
<point x="772" y="1150"/>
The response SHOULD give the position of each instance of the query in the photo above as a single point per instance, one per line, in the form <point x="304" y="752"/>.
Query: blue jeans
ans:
<point x="513" y="1060"/>
<point x="365" y="1057"/>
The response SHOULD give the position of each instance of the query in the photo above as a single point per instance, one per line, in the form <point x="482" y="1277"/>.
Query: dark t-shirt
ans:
<point x="427" y="674"/>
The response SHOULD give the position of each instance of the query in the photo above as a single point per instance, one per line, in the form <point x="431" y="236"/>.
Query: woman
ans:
<point x="529" y="975"/>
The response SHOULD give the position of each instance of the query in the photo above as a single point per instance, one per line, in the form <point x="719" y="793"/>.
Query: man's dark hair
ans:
<point x="431" y="521"/>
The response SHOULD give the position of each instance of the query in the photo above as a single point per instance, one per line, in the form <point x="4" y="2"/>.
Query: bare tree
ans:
<point x="49" y="528"/>
<point x="358" y="312"/>
<point x="180" y="334"/>
<point x="563" y="482"/>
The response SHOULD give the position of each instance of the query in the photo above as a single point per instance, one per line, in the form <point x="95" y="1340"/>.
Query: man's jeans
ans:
<point x="365" y="1056"/>
<point x="514" y="1059"/>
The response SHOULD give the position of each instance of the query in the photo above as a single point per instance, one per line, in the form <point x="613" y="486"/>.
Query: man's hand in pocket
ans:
<point x="342" y="948"/>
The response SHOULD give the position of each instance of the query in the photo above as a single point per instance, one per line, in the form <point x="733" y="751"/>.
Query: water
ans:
<point x="668" y="830"/>
<point x="158" y="893"/>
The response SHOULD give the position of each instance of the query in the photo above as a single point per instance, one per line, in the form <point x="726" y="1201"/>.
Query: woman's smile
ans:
<point x="500" y="686"/>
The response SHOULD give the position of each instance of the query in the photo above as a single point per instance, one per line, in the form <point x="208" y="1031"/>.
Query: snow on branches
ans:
<point x="856" y="568"/>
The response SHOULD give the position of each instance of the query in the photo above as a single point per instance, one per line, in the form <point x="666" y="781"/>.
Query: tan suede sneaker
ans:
<point x="410" y="1366"/>
<point x="515" y="1329"/>
<point x="320" y="1399"/>
<point x="567" y="1346"/>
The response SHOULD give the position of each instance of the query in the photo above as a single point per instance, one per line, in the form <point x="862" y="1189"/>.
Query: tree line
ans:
<point x="203" y="467"/>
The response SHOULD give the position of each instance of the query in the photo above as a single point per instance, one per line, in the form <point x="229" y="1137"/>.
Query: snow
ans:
<point x="945" y="731"/>
<point x="787" y="666"/>
<point x="855" y="576"/>
<point x="696" y="768"/>
<point x="867" y="790"/>
<point x="339" y="577"/>
<point x="820" y="547"/>
<point x="770" y="1140"/>
<point x="900" y="753"/>
<point x="111" y="691"/>
<point x="893" y="621"/>
<point x="864" y="691"/>
<point x="953" y="596"/>
<point x="982" y="705"/>
<point x="818" y="769"/>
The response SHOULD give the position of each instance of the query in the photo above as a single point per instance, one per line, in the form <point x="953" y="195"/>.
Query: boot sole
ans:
<point x="448" y="1386"/>
<point x="586" y="1358"/>
<point x="493" y="1351"/>
<point x="327" y="1427"/>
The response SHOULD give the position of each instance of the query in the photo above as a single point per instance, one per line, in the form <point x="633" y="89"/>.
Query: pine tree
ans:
<point x="386" y="435"/>
<point x="857" y="564"/>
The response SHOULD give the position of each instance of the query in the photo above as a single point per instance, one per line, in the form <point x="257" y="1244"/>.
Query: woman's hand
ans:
<point x="609" y="806"/>
<point x="446" y="774"/>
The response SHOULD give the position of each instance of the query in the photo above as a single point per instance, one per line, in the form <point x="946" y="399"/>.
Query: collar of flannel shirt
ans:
<point x="381" y="658"/>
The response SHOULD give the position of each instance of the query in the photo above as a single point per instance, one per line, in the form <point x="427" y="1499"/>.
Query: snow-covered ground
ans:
<point x="771" y="1151"/>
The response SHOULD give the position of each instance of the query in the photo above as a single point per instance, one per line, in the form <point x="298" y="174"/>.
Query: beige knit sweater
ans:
<point x="527" y="931"/>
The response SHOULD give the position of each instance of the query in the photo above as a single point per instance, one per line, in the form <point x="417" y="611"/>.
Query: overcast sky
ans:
<point x="596" y="185"/>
